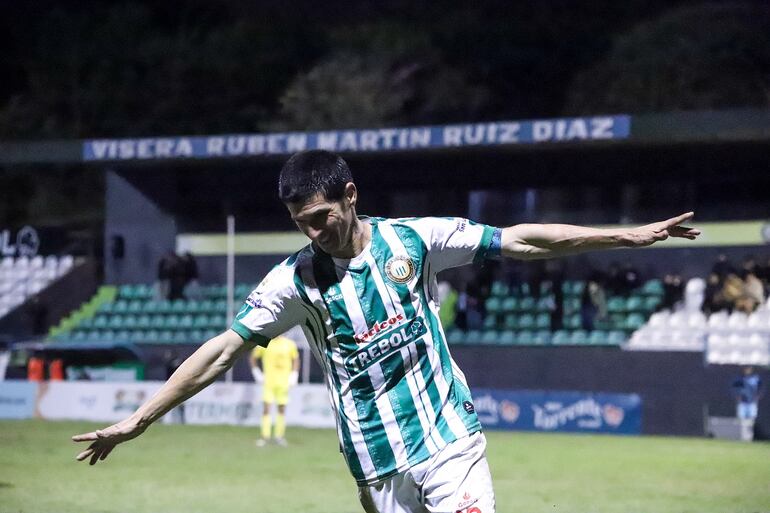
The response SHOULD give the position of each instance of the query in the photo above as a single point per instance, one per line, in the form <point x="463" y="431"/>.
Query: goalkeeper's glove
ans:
<point x="293" y="378"/>
<point x="257" y="373"/>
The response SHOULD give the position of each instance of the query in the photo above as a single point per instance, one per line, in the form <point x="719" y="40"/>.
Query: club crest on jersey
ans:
<point x="400" y="269"/>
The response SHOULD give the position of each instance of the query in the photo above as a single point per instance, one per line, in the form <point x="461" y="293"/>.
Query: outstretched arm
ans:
<point x="533" y="241"/>
<point x="197" y="372"/>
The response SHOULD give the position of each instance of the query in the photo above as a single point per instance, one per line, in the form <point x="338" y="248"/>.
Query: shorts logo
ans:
<point x="400" y="269"/>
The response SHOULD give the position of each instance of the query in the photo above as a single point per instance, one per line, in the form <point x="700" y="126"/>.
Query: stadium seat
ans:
<point x="527" y="322"/>
<point x="653" y="288"/>
<point x="543" y="321"/>
<point x="499" y="289"/>
<point x="509" y="304"/>
<point x="507" y="338"/>
<point x="571" y="305"/>
<point x="527" y="304"/>
<point x="489" y="337"/>
<point x="561" y="337"/>
<point x="454" y="336"/>
<point x="578" y="337"/>
<point x="616" y="337"/>
<point x="545" y="304"/>
<point x="616" y="304"/>
<point x="525" y="337"/>
<point x="542" y="337"/>
<point x="597" y="337"/>
<point x="490" y="321"/>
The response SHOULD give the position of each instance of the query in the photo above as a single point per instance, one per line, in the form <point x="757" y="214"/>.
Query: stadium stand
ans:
<point x="132" y="313"/>
<point x="23" y="277"/>
<point x="517" y="316"/>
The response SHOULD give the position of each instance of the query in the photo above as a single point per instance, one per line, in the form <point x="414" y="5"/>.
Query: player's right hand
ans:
<point x="103" y="441"/>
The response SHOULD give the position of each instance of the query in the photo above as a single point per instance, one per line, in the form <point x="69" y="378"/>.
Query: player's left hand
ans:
<point x="662" y="230"/>
<point x="293" y="378"/>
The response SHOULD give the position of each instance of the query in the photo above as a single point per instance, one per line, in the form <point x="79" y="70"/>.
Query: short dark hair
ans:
<point x="312" y="171"/>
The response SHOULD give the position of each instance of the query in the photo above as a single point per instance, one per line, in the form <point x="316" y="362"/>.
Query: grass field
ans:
<point x="191" y="469"/>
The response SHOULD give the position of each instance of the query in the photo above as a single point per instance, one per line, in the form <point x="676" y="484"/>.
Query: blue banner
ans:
<point x="17" y="399"/>
<point x="597" y="128"/>
<point x="582" y="412"/>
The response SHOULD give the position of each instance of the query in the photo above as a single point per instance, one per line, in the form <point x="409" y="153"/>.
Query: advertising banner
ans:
<point x="596" y="128"/>
<point x="583" y="412"/>
<point x="17" y="399"/>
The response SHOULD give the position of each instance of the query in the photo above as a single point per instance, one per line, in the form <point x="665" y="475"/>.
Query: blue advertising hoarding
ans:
<point x="596" y="128"/>
<point x="17" y="399"/>
<point x="581" y="412"/>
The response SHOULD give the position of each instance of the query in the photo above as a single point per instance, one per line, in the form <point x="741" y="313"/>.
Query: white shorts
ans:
<point x="454" y="480"/>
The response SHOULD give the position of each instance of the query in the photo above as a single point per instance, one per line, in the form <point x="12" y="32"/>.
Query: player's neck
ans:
<point x="360" y="235"/>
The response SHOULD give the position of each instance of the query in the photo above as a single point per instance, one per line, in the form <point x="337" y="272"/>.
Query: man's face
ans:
<point x="325" y="222"/>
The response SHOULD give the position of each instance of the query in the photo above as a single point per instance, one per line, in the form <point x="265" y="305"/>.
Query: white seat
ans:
<point x="737" y="320"/>
<point x="36" y="262"/>
<point x="6" y="262"/>
<point x="716" y="341"/>
<point x="677" y="320"/>
<point x="696" y="320"/>
<point x="51" y="262"/>
<point x="65" y="263"/>
<point x="718" y="320"/>
<point x="659" y="318"/>
<point x="21" y="262"/>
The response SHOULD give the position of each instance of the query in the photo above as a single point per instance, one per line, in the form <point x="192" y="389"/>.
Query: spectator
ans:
<point x="673" y="291"/>
<point x="593" y="305"/>
<point x="747" y="394"/>
<point x="615" y="282"/>
<point x="714" y="300"/>
<point x="753" y="292"/>
<point x="630" y="278"/>
<point x="165" y="267"/>
<point x="732" y="290"/>
<point x="722" y="267"/>
<point x="190" y="269"/>
<point x="447" y="297"/>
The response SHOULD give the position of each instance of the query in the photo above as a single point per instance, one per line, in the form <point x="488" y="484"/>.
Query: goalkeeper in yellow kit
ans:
<point x="280" y="370"/>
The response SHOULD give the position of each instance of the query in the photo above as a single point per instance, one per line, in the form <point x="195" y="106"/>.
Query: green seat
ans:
<point x="545" y="304"/>
<point x="489" y="337"/>
<point x="211" y="333"/>
<point x="79" y="336"/>
<point x="122" y="336"/>
<point x="101" y="322"/>
<point x="197" y="336"/>
<point x="597" y="337"/>
<point x="635" y="303"/>
<point x="616" y="304"/>
<point x="151" y="307"/>
<point x="526" y="322"/>
<point x="130" y="322"/>
<point x="135" y="306"/>
<point x="220" y="306"/>
<point x="546" y="288"/>
<point x="511" y="322"/>
<point x="217" y="322"/>
<point x="635" y="321"/>
<point x="527" y="304"/>
<point x="651" y="303"/>
<point x="542" y="337"/>
<point x="166" y="337"/>
<point x="137" y="336"/>
<point x="116" y="322"/>
<point x="151" y="336"/>
<point x="193" y="306"/>
<point x="455" y="337"/>
<point x="572" y="321"/>
<point x="126" y="292"/>
<point x="172" y="322"/>
<point x="201" y="321"/>
<point x="524" y="290"/>
<point x="183" y="337"/>
<point x="653" y="288"/>
<point x="571" y="305"/>
<point x="543" y="321"/>
<point x="186" y="322"/>
<point x="492" y="305"/>
<point x="143" y="322"/>
<point x="120" y="307"/>
<point x="507" y="338"/>
<point x="579" y="337"/>
<point x="500" y="289"/>
<point x="86" y="324"/>
<point x="143" y="291"/>
<point x="616" y="337"/>
<point x="525" y="338"/>
<point x="473" y="337"/>
<point x="158" y="321"/>
<point x="178" y="306"/>
<point x="206" y="306"/>
<point x="560" y="338"/>
<point x="165" y="306"/>
<point x="578" y="287"/>
<point x="107" y="308"/>
<point x="490" y="322"/>
<point x="242" y="290"/>
<point x="510" y="304"/>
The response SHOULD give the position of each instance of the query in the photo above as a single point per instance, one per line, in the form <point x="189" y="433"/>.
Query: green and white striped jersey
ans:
<point x="372" y="322"/>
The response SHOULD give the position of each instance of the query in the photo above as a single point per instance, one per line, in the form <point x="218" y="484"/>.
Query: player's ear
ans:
<point x="351" y="194"/>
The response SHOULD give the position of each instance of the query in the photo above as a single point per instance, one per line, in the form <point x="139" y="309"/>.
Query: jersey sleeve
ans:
<point x="455" y="241"/>
<point x="271" y="309"/>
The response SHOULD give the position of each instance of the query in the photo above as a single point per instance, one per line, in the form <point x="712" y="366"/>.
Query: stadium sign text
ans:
<point x="380" y="139"/>
<point x="26" y="243"/>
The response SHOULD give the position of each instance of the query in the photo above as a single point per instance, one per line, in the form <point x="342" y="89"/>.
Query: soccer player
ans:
<point x="280" y="361"/>
<point x="364" y="291"/>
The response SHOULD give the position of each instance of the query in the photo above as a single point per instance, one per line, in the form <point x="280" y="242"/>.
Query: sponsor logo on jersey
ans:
<point x="468" y="406"/>
<point x="385" y="345"/>
<point x="400" y="269"/>
<point x="379" y="327"/>
<point x="254" y="300"/>
<point x="466" y="502"/>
